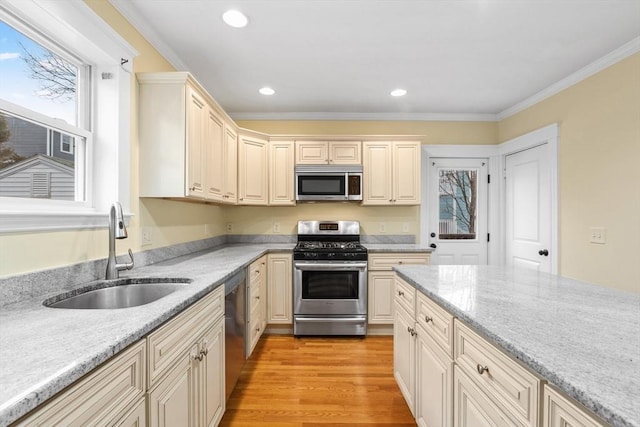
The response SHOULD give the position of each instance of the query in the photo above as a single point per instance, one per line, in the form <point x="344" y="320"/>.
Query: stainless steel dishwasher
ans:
<point x="235" y="290"/>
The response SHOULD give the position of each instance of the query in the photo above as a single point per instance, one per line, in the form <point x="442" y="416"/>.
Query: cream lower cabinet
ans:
<point x="404" y="342"/>
<point x="434" y="379"/>
<point x="257" y="302"/>
<point x="186" y="367"/>
<point x="381" y="283"/>
<point x="279" y="288"/>
<point x="561" y="412"/>
<point x="106" y="396"/>
<point x="472" y="407"/>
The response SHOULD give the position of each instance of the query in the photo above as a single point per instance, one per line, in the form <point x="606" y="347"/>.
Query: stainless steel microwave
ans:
<point x="328" y="182"/>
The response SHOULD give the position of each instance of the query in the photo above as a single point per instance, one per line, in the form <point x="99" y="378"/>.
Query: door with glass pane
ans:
<point x="458" y="211"/>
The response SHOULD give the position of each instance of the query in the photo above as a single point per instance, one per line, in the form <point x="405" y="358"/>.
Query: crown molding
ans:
<point x="595" y="67"/>
<point x="128" y="11"/>
<point x="434" y="117"/>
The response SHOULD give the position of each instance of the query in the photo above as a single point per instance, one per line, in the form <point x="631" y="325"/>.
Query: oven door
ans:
<point x="330" y="287"/>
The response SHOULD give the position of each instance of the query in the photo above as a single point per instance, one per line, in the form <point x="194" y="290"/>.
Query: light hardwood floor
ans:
<point x="304" y="382"/>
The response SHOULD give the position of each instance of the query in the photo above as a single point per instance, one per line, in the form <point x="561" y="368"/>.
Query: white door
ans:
<point x="458" y="211"/>
<point x="528" y="209"/>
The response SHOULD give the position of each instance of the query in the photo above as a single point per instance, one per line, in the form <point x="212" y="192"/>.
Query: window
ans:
<point x="63" y="160"/>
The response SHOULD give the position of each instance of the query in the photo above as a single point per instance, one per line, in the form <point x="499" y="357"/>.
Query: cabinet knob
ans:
<point x="482" y="369"/>
<point x="428" y="319"/>
<point x="400" y="262"/>
<point x="400" y="293"/>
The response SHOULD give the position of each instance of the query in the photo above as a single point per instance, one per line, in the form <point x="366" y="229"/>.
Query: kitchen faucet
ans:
<point x="117" y="230"/>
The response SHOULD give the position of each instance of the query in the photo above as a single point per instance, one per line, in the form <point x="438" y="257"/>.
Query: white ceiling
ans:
<point x="458" y="59"/>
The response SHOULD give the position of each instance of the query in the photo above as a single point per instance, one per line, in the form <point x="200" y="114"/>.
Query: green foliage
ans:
<point x="7" y="154"/>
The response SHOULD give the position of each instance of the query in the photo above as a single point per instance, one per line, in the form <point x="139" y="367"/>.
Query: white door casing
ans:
<point x="445" y="234"/>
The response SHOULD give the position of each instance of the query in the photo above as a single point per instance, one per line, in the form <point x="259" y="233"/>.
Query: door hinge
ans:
<point x="488" y="179"/>
<point x="488" y="237"/>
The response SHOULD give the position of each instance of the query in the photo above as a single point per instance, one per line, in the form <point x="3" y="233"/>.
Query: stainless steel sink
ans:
<point x="122" y="293"/>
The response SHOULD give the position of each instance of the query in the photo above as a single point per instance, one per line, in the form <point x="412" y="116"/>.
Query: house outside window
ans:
<point x="63" y="160"/>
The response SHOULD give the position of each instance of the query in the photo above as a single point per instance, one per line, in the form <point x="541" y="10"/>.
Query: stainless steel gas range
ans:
<point x="329" y="279"/>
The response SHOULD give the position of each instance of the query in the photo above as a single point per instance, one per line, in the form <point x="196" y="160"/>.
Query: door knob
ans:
<point x="433" y="245"/>
<point x="543" y="252"/>
<point x="433" y="234"/>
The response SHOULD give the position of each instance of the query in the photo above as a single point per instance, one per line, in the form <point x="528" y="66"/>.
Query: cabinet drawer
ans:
<point x="102" y="397"/>
<point x="166" y="344"/>
<point x="254" y="297"/>
<point x="513" y="388"/>
<point x="256" y="271"/>
<point x="388" y="261"/>
<point x="436" y="321"/>
<point x="405" y="295"/>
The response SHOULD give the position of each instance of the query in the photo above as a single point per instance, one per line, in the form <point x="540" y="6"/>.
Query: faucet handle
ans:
<point x="129" y="265"/>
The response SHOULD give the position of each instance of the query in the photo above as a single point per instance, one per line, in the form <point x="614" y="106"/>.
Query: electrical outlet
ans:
<point x="147" y="237"/>
<point x="276" y="227"/>
<point x="598" y="235"/>
<point x="229" y="227"/>
<point x="405" y="227"/>
<point x="383" y="227"/>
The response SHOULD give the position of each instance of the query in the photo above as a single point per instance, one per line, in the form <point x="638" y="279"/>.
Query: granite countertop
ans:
<point x="43" y="350"/>
<point x="582" y="338"/>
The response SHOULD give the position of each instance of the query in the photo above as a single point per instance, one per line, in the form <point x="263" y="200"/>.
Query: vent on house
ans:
<point x="41" y="185"/>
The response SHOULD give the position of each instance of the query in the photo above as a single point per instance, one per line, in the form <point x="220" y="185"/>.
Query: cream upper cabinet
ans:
<point x="230" y="164"/>
<point x="279" y="288"/>
<point x="281" y="173"/>
<point x="328" y="152"/>
<point x="391" y="172"/>
<point x="183" y="150"/>
<point x="253" y="171"/>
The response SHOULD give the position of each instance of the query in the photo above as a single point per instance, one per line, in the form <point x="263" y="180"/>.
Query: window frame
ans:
<point x="86" y="36"/>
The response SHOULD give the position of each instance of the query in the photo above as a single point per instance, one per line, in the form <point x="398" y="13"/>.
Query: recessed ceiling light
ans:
<point x="398" y="92"/>
<point x="235" y="18"/>
<point x="267" y="91"/>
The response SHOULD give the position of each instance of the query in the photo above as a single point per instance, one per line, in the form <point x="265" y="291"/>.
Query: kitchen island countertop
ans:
<point x="582" y="338"/>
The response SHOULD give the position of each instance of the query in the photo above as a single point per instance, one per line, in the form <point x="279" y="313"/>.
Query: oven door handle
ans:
<point x="358" y="319"/>
<point x="315" y="266"/>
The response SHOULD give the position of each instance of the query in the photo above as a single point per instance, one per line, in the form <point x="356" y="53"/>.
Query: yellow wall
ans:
<point x="599" y="151"/>
<point x="599" y="173"/>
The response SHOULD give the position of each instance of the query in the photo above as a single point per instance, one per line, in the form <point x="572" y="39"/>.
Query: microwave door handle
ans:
<point x="312" y="266"/>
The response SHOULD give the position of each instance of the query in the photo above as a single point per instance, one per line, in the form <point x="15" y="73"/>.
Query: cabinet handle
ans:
<point x="400" y="293"/>
<point x="204" y="352"/>
<point x="482" y="369"/>
<point x="400" y="262"/>
<point x="428" y="319"/>
<point x="413" y="332"/>
<point x="408" y="328"/>
<point x="258" y="297"/>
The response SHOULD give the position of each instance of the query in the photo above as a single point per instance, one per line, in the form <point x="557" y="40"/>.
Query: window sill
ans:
<point x="20" y="222"/>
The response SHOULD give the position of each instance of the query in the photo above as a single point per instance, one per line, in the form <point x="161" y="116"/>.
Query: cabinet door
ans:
<point x="211" y="367"/>
<point x="561" y="412"/>
<point x="345" y="152"/>
<point x="196" y="130"/>
<point x="137" y="417"/>
<point x="312" y="152"/>
<point x="174" y="401"/>
<point x="377" y="173"/>
<point x="381" y="297"/>
<point x="404" y="350"/>
<point x="434" y="372"/>
<point x="281" y="173"/>
<point x="253" y="176"/>
<point x="279" y="289"/>
<point x="214" y="156"/>
<point x="406" y="173"/>
<point x="231" y="166"/>
<point x="471" y="407"/>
